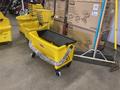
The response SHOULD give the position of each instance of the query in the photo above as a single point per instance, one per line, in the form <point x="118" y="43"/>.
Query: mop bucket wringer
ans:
<point x="53" y="48"/>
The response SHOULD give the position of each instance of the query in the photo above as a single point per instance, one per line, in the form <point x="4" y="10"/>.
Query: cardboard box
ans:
<point x="49" y="5"/>
<point x="57" y="26"/>
<point x="83" y="37"/>
<point x="60" y="8"/>
<point x="90" y="1"/>
<point x="84" y="13"/>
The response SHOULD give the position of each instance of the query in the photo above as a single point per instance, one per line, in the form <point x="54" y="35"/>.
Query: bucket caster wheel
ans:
<point x="33" y="55"/>
<point x="69" y="64"/>
<point x="58" y="73"/>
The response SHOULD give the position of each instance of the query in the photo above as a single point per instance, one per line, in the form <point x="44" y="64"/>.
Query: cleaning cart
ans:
<point x="53" y="48"/>
<point x="5" y="29"/>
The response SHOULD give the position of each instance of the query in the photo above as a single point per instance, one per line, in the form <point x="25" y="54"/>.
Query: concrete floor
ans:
<point x="18" y="71"/>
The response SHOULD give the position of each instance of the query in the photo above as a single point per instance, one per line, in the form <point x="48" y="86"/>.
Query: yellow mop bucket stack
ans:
<point x="5" y="29"/>
<point x="38" y="19"/>
<point x="53" y="48"/>
<point x="27" y="23"/>
<point x="30" y="21"/>
<point x="26" y="18"/>
<point x="32" y="7"/>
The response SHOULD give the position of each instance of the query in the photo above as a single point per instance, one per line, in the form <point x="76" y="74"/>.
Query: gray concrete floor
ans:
<point x="18" y="71"/>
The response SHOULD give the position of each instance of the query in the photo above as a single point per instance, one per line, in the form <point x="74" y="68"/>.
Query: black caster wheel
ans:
<point x="33" y="55"/>
<point x="69" y="64"/>
<point x="58" y="73"/>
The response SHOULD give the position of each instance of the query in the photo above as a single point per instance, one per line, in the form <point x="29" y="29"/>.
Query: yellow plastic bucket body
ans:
<point x="26" y="28"/>
<point x="37" y="6"/>
<point x="26" y="18"/>
<point x="27" y="23"/>
<point x="1" y="15"/>
<point x="50" y="50"/>
<point x="5" y="29"/>
<point x="33" y="7"/>
<point x="5" y="35"/>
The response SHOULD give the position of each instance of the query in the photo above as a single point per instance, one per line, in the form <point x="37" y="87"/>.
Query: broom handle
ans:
<point x="104" y="3"/>
<point x="116" y="25"/>
<point x="65" y="26"/>
<point x="54" y="7"/>
<point x="23" y="8"/>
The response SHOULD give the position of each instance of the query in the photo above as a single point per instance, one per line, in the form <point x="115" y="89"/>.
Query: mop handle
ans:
<point x="23" y="7"/>
<point x="116" y="24"/>
<point x="98" y="29"/>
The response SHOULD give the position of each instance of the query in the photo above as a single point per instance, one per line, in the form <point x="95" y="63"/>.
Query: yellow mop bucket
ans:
<point x="54" y="48"/>
<point x="26" y="28"/>
<point x="5" y="29"/>
<point x="29" y="17"/>
<point x="35" y="6"/>
<point x="32" y="7"/>
<point x="28" y="24"/>
<point x="1" y="15"/>
<point x="26" y="18"/>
